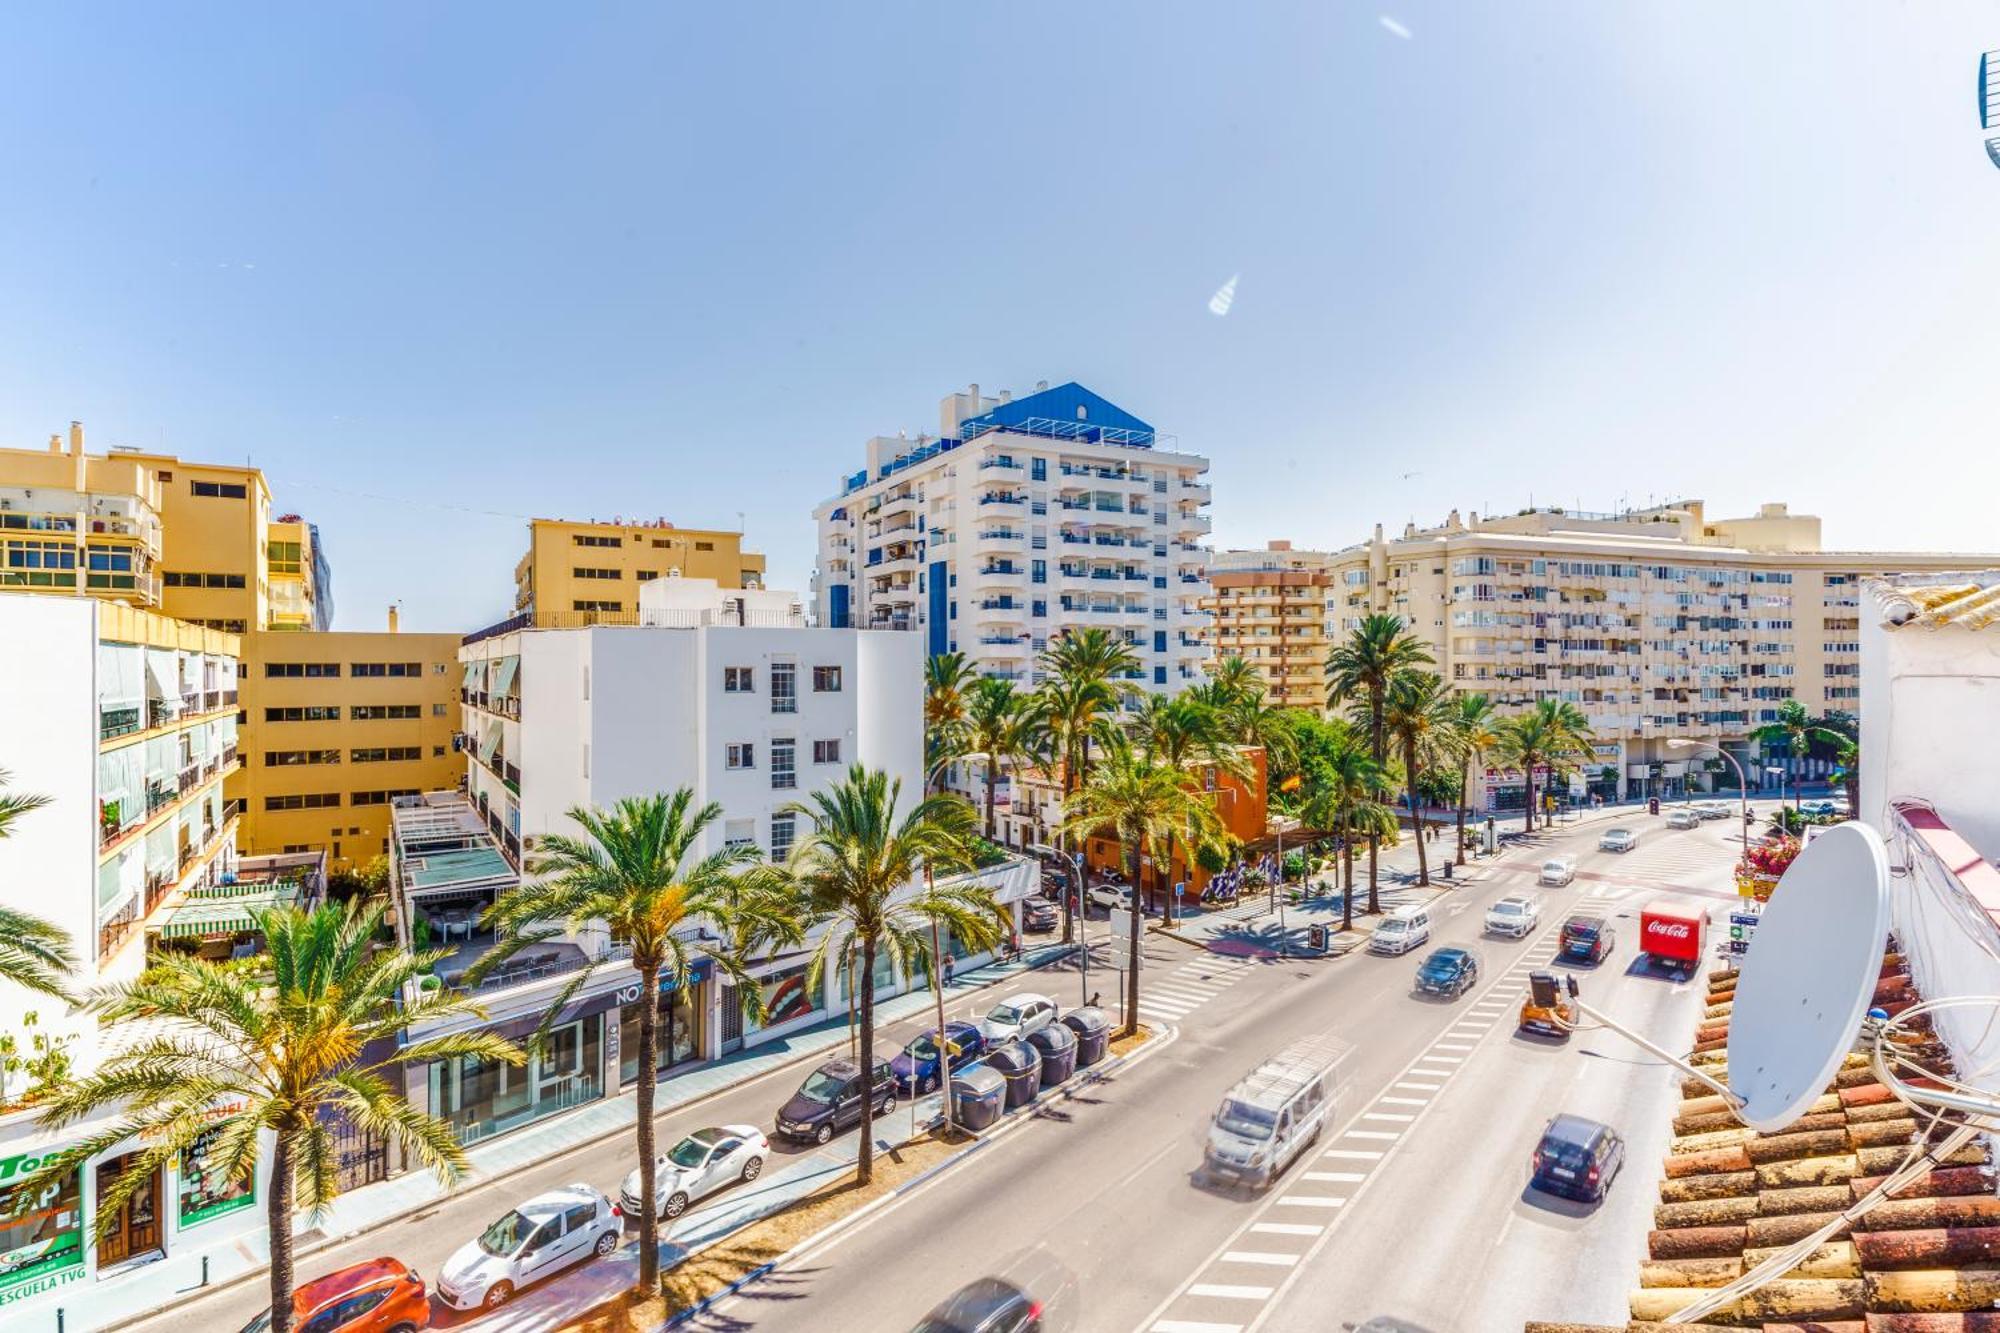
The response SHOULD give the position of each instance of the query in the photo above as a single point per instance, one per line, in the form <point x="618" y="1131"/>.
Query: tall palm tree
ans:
<point x="34" y="953"/>
<point x="1248" y="719"/>
<point x="284" y="1046"/>
<point x="1346" y="798"/>
<point x="1075" y="707"/>
<point x="1001" y="727"/>
<point x="1182" y="732"/>
<point x="1548" y="733"/>
<point x="1474" y="728"/>
<point x="1235" y="676"/>
<point x="947" y="678"/>
<point x="1358" y="672"/>
<point x="1143" y="802"/>
<point x="638" y="870"/>
<point x="1419" y="716"/>
<point x="1798" y="729"/>
<point x="854" y="873"/>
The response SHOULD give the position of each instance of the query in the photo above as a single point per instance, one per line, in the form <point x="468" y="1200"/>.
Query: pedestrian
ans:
<point x="947" y="969"/>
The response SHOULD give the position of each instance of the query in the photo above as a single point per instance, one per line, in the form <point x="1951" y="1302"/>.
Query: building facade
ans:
<point x="592" y="573"/>
<point x="82" y="525"/>
<point x="1276" y="610"/>
<point x="1658" y="624"/>
<point x="1024" y="517"/>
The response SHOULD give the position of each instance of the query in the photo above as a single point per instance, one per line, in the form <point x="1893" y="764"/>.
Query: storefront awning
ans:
<point x="503" y="681"/>
<point x="225" y="916"/>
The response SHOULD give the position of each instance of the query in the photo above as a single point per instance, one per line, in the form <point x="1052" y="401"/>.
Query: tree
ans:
<point x="284" y="1046"/>
<point x="1143" y="802"/>
<point x="1548" y="733"/>
<point x="1343" y="796"/>
<point x="638" y="870"/>
<point x="1181" y="732"/>
<point x="1798" y="729"/>
<point x="1418" y="714"/>
<point x="1358" y="673"/>
<point x="1000" y="727"/>
<point x="854" y="874"/>
<point x="1474" y="726"/>
<point x="34" y="953"/>
<point x="1074" y="709"/>
<point x="947" y="678"/>
<point x="1233" y="678"/>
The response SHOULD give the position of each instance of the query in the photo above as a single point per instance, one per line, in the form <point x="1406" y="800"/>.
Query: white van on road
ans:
<point x="1269" y="1117"/>
<point x="1401" y="931"/>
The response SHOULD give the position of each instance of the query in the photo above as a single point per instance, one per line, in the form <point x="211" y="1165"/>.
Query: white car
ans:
<point x="1617" y="840"/>
<point x="1714" y="810"/>
<point x="1683" y="818"/>
<point x="699" y="1165"/>
<point x="1557" y="870"/>
<point x="1516" y="915"/>
<point x="1111" y="897"/>
<point x="538" y="1239"/>
<point x="1017" y="1016"/>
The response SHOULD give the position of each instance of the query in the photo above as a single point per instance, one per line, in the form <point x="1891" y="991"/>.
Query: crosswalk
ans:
<point x="1169" y="996"/>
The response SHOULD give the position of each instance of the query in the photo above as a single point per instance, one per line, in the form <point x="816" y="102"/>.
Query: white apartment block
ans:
<point x="1023" y="518"/>
<point x="1657" y="623"/>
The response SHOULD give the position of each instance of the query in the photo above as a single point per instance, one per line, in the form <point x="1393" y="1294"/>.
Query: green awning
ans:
<point x="471" y="670"/>
<point x="224" y="916"/>
<point x="489" y="743"/>
<point x="503" y="682"/>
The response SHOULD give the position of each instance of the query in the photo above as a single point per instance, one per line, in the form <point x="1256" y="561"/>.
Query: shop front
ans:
<point x="681" y="1027"/>
<point x="480" y="1098"/>
<point x="41" y="1235"/>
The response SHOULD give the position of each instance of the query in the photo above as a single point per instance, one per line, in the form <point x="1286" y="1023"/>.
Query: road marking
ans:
<point x="1286" y="1229"/>
<point x="1343" y="1177"/>
<point x="1353" y="1154"/>
<point x="1415" y="1086"/>
<point x="1445" y="1059"/>
<point x="1443" y="1045"/>
<point x="1231" y="1293"/>
<point x="1370" y="1134"/>
<point x="1393" y="1117"/>
<point x="1260" y="1257"/>
<point x="1193" y="1326"/>
<point x="1306" y="1201"/>
<point x="1403" y="1101"/>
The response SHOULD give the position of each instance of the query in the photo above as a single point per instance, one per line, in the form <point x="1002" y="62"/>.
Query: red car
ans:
<point x="380" y="1296"/>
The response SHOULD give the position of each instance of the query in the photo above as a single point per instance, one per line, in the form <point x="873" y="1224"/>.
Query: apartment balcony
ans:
<point x="162" y="712"/>
<point x="1002" y="571"/>
<point x="998" y="541"/>
<point x="1001" y="610"/>
<point x="1005" y="646"/>
<point x="891" y="622"/>
<point x="1000" y="465"/>
<point x="189" y="778"/>
<point x="1200" y="493"/>
<point x="1008" y="498"/>
<point x="160" y="793"/>
<point x="121" y="720"/>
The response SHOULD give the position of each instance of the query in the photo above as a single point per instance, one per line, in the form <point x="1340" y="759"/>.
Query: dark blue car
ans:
<point x="1447" y="972"/>
<point x="916" y="1066"/>
<point x="1577" y="1157"/>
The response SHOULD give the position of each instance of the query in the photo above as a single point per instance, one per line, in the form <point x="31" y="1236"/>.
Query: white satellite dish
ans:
<point x="1809" y="976"/>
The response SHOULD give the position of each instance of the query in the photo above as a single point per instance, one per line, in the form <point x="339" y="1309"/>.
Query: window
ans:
<point x="391" y="754"/>
<point x="741" y="754"/>
<point x="739" y="833"/>
<point x="826" y="752"/>
<point x="782" y="831"/>
<point x="582" y="540"/>
<point x="377" y="798"/>
<point x="438" y="710"/>
<point x="583" y="572"/>
<point x="285" y="557"/>
<point x="293" y="758"/>
<point x="596" y="606"/>
<point x="312" y="801"/>
<point x="647" y="575"/>
<point x="219" y="490"/>
<point x="739" y="680"/>
<point x="1038" y="571"/>
<point x="784" y="765"/>
<point x="826" y="680"/>
<point x="301" y="670"/>
<point x="784" y="687"/>
<point x="184" y="579"/>
<point x="577" y="1218"/>
<point x="704" y="546"/>
<point x="382" y="712"/>
<point x="317" y="713"/>
<point x="377" y="670"/>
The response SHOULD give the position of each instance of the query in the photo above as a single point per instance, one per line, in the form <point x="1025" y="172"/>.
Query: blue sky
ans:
<point x="437" y="267"/>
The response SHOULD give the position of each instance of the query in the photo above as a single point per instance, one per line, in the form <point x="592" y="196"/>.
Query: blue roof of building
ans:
<point x="1069" y="410"/>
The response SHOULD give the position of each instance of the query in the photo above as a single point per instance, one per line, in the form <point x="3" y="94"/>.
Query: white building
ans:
<point x="1023" y="518"/>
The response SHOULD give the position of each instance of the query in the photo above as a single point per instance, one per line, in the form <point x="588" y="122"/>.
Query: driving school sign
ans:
<point x="41" y="1233"/>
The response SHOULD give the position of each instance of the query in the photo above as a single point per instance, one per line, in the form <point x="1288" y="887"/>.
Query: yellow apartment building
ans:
<point x="1658" y="624"/>
<point x="590" y="573"/>
<point x="82" y="525"/>
<point x="1272" y="608"/>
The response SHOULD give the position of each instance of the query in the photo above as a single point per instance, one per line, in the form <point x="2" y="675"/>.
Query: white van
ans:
<point x="1269" y="1117"/>
<point x="1401" y="931"/>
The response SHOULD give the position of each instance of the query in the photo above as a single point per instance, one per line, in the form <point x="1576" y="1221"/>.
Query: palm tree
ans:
<point x="284" y="1046"/>
<point x="1345" y="798"/>
<point x="638" y="870"/>
<point x="1473" y="726"/>
<point x="1797" y="729"/>
<point x="1180" y="731"/>
<point x="1419" y="715"/>
<point x="1233" y="678"/>
<point x="1074" y="709"/>
<point x="1548" y="733"/>
<point x="34" y="953"/>
<point x="853" y="873"/>
<point x="947" y="678"/>
<point x="1000" y="728"/>
<point x="1247" y="719"/>
<point x="1143" y="802"/>
<point x="1358" y="673"/>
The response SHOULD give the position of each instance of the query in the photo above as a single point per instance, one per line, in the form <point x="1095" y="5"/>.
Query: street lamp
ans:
<point x="1742" y="782"/>
<point x="1072" y="863"/>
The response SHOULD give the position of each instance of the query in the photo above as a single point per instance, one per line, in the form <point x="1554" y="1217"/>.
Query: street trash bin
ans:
<point x="978" y="1097"/>
<point x="1021" y="1065"/>
<point x="1653" y="805"/>
<point x="1056" y="1044"/>
<point x="1092" y="1027"/>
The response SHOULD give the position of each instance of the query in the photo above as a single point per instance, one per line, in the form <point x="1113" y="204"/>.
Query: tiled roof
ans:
<point x="1932" y="601"/>
<point x="1925" y="1261"/>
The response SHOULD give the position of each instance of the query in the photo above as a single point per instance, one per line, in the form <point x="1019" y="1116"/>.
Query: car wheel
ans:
<point x="676" y="1204"/>
<point x="606" y="1243"/>
<point x="929" y="1084"/>
<point x="753" y="1168"/>
<point x="498" y="1295"/>
<point x="888" y="1104"/>
<point x="404" y="1328"/>
<point x="824" y="1133"/>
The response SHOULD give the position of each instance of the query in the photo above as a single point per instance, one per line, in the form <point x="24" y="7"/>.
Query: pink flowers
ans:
<point x="1772" y="858"/>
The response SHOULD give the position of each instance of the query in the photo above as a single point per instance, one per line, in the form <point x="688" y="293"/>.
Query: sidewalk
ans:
<point x="148" y="1289"/>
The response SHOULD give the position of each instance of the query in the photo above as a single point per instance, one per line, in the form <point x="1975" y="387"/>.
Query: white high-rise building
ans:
<point x="1025" y="517"/>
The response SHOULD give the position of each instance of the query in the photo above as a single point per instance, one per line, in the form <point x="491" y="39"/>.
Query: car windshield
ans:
<point x="1252" y="1122"/>
<point x="923" y="1048"/>
<point x="1441" y="966"/>
<point x="1582" y="930"/>
<point x="1004" y="1013"/>
<point x="690" y="1151"/>
<point x="822" y="1087"/>
<point x="1390" y="927"/>
<point x="1556" y="865"/>
<point x="1506" y="909"/>
<point x="505" y="1236"/>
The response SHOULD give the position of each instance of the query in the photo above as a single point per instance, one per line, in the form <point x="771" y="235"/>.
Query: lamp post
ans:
<point x="1072" y="863"/>
<point x="1742" y="781"/>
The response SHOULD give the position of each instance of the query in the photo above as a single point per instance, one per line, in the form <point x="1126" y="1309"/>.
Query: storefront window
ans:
<point x="481" y="1098"/>
<point x="885" y="976"/>
<point x="678" y="1033"/>
<point x="787" y="997"/>
<point x="206" y="1187"/>
<point x="41" y="1234"/>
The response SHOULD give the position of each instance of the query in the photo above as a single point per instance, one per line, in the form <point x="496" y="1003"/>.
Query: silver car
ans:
<point x="1516" y="915"/>
<point x="1618" y="840"/>
<point x="697" y="1166"/>
<point x="538" y="1239"/>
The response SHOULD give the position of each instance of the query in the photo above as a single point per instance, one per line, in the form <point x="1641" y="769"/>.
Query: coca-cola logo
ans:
<point x="1673" y="930"/>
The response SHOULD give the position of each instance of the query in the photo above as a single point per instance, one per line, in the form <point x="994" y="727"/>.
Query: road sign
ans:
<point x="1742" y="926"/>
<point x="1180" y="888"/>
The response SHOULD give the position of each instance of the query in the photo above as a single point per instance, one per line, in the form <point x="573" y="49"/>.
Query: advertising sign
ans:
<point x="207" y="1190"/>
<point x="1671" y="930"/>
<point x="41" y="1234"/>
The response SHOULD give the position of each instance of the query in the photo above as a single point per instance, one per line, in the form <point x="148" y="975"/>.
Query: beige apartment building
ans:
<point x="1658" y="624"/>
<point x="1275" y="609"/>
<point x="576" y="574"/>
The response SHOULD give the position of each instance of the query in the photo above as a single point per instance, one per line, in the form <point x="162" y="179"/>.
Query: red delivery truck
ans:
<point x="1674" y="931"/>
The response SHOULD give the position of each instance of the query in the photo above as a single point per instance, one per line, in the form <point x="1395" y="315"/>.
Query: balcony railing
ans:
<point x="211" y="700"/>
<point x="190" y="778"/>
<point x="116" y="931"/>
<point x="159" y="712"/>
<point x="160" y="793"/>
<point x="121" y="721"/>
<point x="228" y="755"/>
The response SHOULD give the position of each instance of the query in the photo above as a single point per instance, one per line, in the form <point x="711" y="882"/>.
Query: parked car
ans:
<point x="1577" y="1157"/>
<point x="1016" y="1016"/>
<point x="380" y="1296"/>
<point x="697" y="1166"/>
<point x="1039" y="914"/>
<point x="1714" y="810"/>
<point x="1617" y="840"/>
<point x="1587" y="939"/>
<point x="989" y="1305"/>
<point x="831" y="1098"/>
<point x="1401" y="931"/>
<point x="1683" y="817"/>
<point x="538" y="1239"/>
<point x="1111" y="897"/>
<point x="1515" y="915"/>
<point x="1557" y="870"/>
<point x="916" y="1065"/>
<point x="1447" y="972"/>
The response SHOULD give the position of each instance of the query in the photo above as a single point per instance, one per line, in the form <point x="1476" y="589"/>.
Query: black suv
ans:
<point x="1587" y="939"/>
<point x="831" y="1098"/>
<point x="1577" y="1157"/>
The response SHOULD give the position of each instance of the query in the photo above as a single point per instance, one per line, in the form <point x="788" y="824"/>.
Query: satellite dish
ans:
<point x="1809" y="976"/>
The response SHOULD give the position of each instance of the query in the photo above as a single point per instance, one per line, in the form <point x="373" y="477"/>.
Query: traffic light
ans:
<point x="1546" y="992"/>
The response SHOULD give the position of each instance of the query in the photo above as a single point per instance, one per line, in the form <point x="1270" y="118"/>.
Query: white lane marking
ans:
<point x="1414" y="1086"/>
<point x="1343" y="1177"/>
<point x="1445" y="1059"/>
<point x="1308" y="1201"/>
<point x="1440" y="1046"/>
<point x="1353" y="1154"/>
<point x="1193" y="1326"/>
<point x="1393" y="1117"/>
<point x="1403" y="1101"/>
<point x="1376" y="1134"/>
<point x="1170" y="1010"/>
<point x="1264" y="1257"/>
<point x="1230" y="1293"/>
<point x="1287" y="1228"/>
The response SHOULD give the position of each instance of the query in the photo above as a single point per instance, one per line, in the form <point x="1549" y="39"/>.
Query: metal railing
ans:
<point x="121" y="721"/>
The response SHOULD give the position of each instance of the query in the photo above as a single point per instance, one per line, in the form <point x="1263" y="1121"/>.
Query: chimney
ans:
<point x="1006" y="395"/>
<point x="76" y="438"/>
<point x="55" y="444"/>
<point x="973" y="392"/>
<point x="392" y="617"/>
<point x="1041" y="386"/>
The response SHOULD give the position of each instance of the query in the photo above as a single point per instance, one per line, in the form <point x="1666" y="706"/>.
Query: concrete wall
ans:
<point x="1929" y="718"/>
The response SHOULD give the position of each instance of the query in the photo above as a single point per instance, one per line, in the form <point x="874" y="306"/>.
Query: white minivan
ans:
<point x="1401" y="931"/>
<point x="1269" y="1117"/>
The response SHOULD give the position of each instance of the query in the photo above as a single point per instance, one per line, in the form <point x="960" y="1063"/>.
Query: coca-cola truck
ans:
<point x="1674" y="931"/>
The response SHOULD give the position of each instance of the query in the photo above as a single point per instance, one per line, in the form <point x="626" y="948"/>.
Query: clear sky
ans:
<point x="439" y="267"/>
